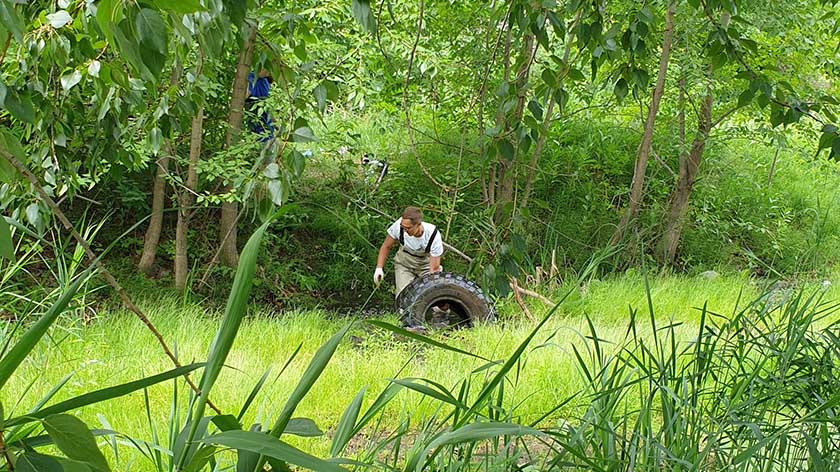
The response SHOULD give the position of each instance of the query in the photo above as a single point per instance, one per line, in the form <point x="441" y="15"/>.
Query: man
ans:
<point x="258" y="89"/>
<point x="421" y="247"/>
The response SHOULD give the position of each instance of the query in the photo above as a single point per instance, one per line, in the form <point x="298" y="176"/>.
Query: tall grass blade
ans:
<point x="421" y="338"/>
<point x="310" y="375"/>
<point x="439" y="394"/>
<point x="234" y="312"/>
<point x="471" y="433"/>
<point x="269" y="446"/>
<point x="506" y="367"/>
<point x="30" y="338"/>
<point x="313" y="371"/>
<point x="251" y="396"/>
<point x="101" y="395"/>
<point x="344" y="430"/>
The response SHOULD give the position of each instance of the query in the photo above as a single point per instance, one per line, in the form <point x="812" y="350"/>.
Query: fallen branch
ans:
<point x="518" y="297"/>
<point x="530" y="293"/>
<point x="99" y="265"/>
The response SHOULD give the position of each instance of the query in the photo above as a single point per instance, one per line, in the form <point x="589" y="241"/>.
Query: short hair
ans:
<point x="413" y="214"/>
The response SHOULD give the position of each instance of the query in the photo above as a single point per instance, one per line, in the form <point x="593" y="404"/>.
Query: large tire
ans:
<point x="468" y="305"/>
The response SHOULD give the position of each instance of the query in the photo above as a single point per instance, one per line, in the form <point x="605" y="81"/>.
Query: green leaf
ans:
<point x="93" y="68"/>
<point x="97" y="395"/>
<point x="69" y="465"/>
<point x="576" y="75"/>
<point x="20" y="106"/>
<point x="272" y="171"/>
<point x="155" y="139"/>
<point x="344" y="430"/>
<point x="549" y="78"/>
<point x="7" y="247"/>
<point x="746" y="97"/>
<point x="151" y="30"/>
<point x="105" y="17"/>
<point x="363" y="14"/>
<point x="320" y="94"/>
<point x="303" y="135"/>
<point x="310" y="375"/>
<point x="226" y="422"/>
<point x="277" y="191"/>
<point x="236" y="10"/>
<point x="303" y="427"/>
<point x="439" y="394"/>
<point x="296" y="162"/>
<point x="825" y="140"/>
<point x="70" y="80"/>
<point x="270" y="447"/>
<point x="535" y="109"/>
<point x="31" y="461"/>
<point x="75" y="440"/>
<point x="620" y="89"/>
<point x="182" y="7"/>
<point x="300" y="51"/>
<point x="9" y="143"/>
<point x="127" y="45"/>
<point x="59" y="19"/>
<point x="11" y="20"/>
<point x="505" y="149"/>
<point x="258" y="386"/>
<point x="33" y="214"/>
<point x="153" y="60"/>
<point x="200" y="459"/>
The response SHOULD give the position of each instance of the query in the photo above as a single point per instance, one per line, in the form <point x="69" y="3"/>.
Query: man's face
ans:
<point x="412" y="229"/>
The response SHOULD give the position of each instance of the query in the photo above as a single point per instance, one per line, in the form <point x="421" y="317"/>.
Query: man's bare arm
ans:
<point x="434" y="264"/>
<point x="384" y="250"/>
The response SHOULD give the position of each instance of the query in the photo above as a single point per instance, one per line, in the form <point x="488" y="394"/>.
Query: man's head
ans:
<point x="412" y="219"/>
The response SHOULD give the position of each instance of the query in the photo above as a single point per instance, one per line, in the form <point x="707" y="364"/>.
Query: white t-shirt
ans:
<point x="418" y="245"/>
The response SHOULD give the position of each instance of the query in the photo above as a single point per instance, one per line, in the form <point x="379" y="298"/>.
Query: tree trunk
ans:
<point x="506" y="175"/>
<point x="549" y="112"/>
<point x="638" y="185"/>
<point x="227" y="225"/>
<point x="535" y="157"/>
<point x="689" y="166"/>
<point x="185" y="201"/>
<point x="150" y="242"/>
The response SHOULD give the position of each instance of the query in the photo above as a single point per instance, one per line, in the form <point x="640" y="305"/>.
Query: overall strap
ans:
<point x="402" y="238"/>
<point x="431" y="240"/>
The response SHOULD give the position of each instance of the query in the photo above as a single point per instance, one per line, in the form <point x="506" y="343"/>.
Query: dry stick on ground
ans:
<point x="98" y="263"/>
<point x="531" y="293"/>
<point x="516" y="294"/>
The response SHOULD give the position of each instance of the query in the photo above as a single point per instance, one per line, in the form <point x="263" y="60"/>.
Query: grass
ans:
<point x="117" y="348"/>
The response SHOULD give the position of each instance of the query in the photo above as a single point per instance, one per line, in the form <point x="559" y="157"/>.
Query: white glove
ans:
<point x="378" y="275"/>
